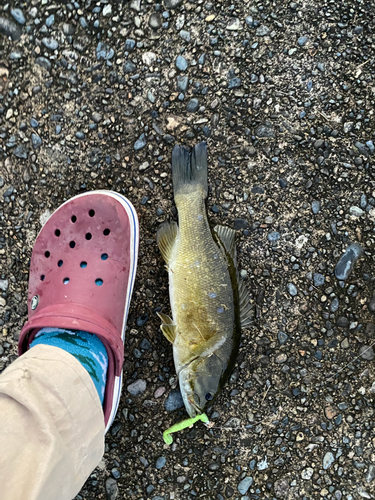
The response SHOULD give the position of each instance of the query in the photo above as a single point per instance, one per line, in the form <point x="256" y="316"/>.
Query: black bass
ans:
<point x="209" y="302"/>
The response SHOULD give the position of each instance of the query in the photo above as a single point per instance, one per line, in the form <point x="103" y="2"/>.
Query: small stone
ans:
<point x="34" y="123"/>
<point x="137" y="387"/>
<point x="111" y="488"/>
<point x="315" y="205"/>
<point x="318" y="279"/>
<point x="181" y="63"/>
<point x="97" y="117"/>
<point x="129" y="67"/>
<point x="135" y="5"/>
<point x="50" y="43"/>
<point x="328" y="460"/>
<point x="356" y="211"/>
<point x="366" y="352"/>
<point x="343" y="322"/>
<point x="140" y="142"/>
<point x="44" y="63"/>
<point x="160" y="462"/>
<point x="36" y="141"/>
<point x="10" y="29"/>
<point x="174" y="400"/>
<point x="302" y="40"/>
<point x="155" y="21"/>
<point x="292" y="289"/>
<point x="274" y="236"/>
<point x="334" y="305"/>
<point x="172" y="4"/>
<point x="129" y="45"/>
<point x="192" y="106"/>
<point x="348" y="127"/>
<point x="234" y="83"/>
<point x="347" y="261"/>
<point x="244" y="485"/>
<point x="370" y="476"/>
<point x="21" y="151"/>
<point x="80" y="135"/>
<point x="182" y="83"/>
<point x="159" y="392"/>
<point x="371" y="305"/>
<point x="307" y="473"/>
<point x="263" y="30"/>
<point x="265" y="130"/>
<point x="234" y="25"/>
<point x="104" y="51"/>
<point x="50" y="20"/>
<point x="107" y="10"/>
<point x="17" y="14"/>
<point x="68" y="29"/>
<point x="4" y="285"/>
<point x="281" y="358"/>
<point x="185" y="35"/>
<point x="149" y="58"/>
<point x="282" y="337"/>
<point x="240" y="224"/>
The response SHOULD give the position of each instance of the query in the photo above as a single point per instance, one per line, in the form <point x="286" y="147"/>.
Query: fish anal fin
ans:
<point x="165" y="239"/>
<point x="246" y="309"/>
<point x="169" y="332"/>
<point x="226" y="237"/>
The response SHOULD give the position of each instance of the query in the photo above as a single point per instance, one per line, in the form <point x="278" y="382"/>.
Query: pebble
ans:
<point x="36" y="141"/>
<point x="192" y="106"/>
<point x="174" y="400"/>
<point x="315" y="205"/>
<point x="181" y="63"/>
<point x="50" y="20"/>
<point x="234" y="83"/>
<point x="17" y="14"/>
<point x="328" y="460"/>
<point x="292" y="289"/>
<point x="104" y="51"/>
<point x="44" y="63"/>
<point x="356" y="211"/>
<point x="155" y="21"/>
<point x="4" y="285"/>
<point x="68" y="29"/>
<point x="107" y="10"/>
<point x="274" y="236"/>
<point x="244" y="485"/>
<point x="263" y="30"/>
<point x="111" y="488"/>
<point x="334" y="305"/>
<point x="185" y="35"/>
<point x="34" y="123"/>
<point x="159" y="392"/>
<point x="302" y="40"/>
<point x="234" y="25"/>
<point x="371" y="305"/>
<point x="282" y="337"/>
<point x="160" y="462"/>
<point x="307" y="473"/>
<point x="21" y="151"/>
<point x="347" y="261"/>
<point x="141" y="320"/>
<point x="137" y="387"/>
<point x="10" y="29"/>
<point x="149" y="58"/>
<point x="172" y="4"/>
<point x="50" y="43"/>
<point x="281" y="358"/>
<point x="318" y="279"/>
<point x="367" y="352"/>
<point x="140" y="142"/>
<point x="370" y="476"/>
<point x="97" y="117"/>
<point x="265" y="130"/>
<point x="182" y="83"/>
<point x="129" y="45"/>
<point x="80" y="135"/>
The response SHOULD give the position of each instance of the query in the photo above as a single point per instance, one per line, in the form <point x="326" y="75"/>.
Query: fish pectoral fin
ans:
<point x="165" y="238"/>
<point x="246" y="309"/>
<point x="169" y="332"/>
<point x="226" y="237"/>
<point x="165" y="318"/>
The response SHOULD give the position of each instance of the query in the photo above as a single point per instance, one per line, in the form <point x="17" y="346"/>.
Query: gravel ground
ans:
<point x="94" y="95"/>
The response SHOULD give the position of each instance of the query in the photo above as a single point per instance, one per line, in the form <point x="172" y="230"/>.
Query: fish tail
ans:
<point x="189" y="169"/>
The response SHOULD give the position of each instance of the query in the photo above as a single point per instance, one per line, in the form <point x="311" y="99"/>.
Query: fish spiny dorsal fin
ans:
<point x="226" y="237"/>
<point x="246" y="309"/>
<point x="165" y="238"/>
<point x="168" y="328"/>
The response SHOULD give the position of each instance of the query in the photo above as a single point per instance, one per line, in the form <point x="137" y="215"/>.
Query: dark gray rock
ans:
<point x="263" y="30"/>
<point x="104" y="51"/>
<point x="36" y="141"/>
<point x="347" y="261"/>
<point x="50" y="43"/>
<point x="174" y="400"/>
<point x="265" y="130"/>
<point x="172" y="4"/>
<point x="240" y="224"/>
<point x="111" y="488"/>
<point x="302" y="40"/>
<point x="155" y="21"/>
<point x="10" y="29"/>
<point x="21" y="152"/>
<point x="315" y="206"/>
<point x="129" y="67"/>
<point x="274" y="236"/>
<point x="137" y="387"/>
<point x="129" y="45"/>
<point x="140" y="143"/>
<point x="244" y="485"/>
<point x="80" y="135"/>
<point x="366" y="352"/>
<point x="234" y="83"/>
<point x="68" y="29"/>
<point x="292" y="289"/>
<point x="44" y="63"/>
<point x="282" y="337"/>
<point x="334" y="305"/>
<point x="192" y="106"/>
<point x="182" y="83"/>
<point x="181" y="63"/>
<point x="160" y="462"/>
<point x="318" y="279"/>
<point x="343" y="322"/>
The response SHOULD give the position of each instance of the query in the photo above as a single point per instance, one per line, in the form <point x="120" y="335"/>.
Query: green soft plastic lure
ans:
<point x="182" y="425"/>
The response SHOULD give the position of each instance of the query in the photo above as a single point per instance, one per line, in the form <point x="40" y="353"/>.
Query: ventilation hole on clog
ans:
<point x="106" y="232"/>
<point x="60" y="263"/>
<point x="99" y="282"/>
<point x="104" y="256"/>
<point x="88" y="236"/>
<point x="91" y="213"/>
<point x="83" y="264"/>
<point x="73" y="218"/>
<point x="42" y="277"/>
<point x="72" y="244"/>
<point x="47" y="254"/>
<point x="66" y="281"/>
<point x="57" y="232"/>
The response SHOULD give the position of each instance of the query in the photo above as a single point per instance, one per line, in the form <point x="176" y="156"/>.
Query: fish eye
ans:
<point x="208" y="396"/>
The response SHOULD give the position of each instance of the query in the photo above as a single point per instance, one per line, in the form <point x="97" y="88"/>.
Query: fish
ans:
<point x="209" y="303"/>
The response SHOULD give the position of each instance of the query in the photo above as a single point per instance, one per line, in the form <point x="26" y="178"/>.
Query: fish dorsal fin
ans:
<point x="246" y="309"/>
<point x="168" y="328"/>
<point x="226" y="237"/>
<point x="165" y="238"/>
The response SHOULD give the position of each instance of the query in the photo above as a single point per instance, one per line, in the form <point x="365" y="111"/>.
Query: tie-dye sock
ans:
<point x="85" y="347"/>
